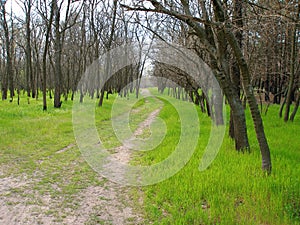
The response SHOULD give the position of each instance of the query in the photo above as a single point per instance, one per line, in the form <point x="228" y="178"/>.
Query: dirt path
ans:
<point x="105" y="204"/>
<point x="102" y="204"/>
<point x="115" y="166"/>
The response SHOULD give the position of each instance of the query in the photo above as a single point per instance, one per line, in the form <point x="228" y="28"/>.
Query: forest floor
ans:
<point x="34" y="199"/>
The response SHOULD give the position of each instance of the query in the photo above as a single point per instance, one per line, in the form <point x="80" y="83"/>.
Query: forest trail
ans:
<point x="107" y="203"/>
<point x="122" y="154"/>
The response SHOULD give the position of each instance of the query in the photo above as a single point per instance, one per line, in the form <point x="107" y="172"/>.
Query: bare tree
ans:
<point x="108" y="47"/>
<point x="293" y="62"/>
<point x="31" y="87"/>
<point x="48" y="24"/>
<point x="220" y="31"/>
<point x="8" y="78"/>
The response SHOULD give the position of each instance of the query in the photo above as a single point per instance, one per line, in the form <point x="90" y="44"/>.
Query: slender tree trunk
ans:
<point x="9" y="76"/>
<point x="29" y="72"/>
<point x="57" y="58"/>
<point x="44" y="66"/>
<point x="96" y="41"/>
<point x="108" y="47"/>
<point x="236" y="106"/>
<point x="292" y="117"/>
<point x="235" y="73"/>
<point x="230" y="88"/>
<point x="292" y="76"/>
<point x="4" y="81"/>
<point x="101" y="97"/>
<point x="248" y="89"/>
<point x="256" y="117"/>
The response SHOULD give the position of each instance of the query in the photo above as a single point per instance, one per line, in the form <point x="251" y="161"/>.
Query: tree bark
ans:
<point x="44" y="66"/>
<point x="29" y="72"/>
<point x="292" y="71"/>
<point x="292" y="117"/>
<point x="206" y="37"/>
<point x="108" y="47"/>
<point x="57" y="58"/>
<point x="235" y="73"/>
<point x="9" y="76"/>
<point x="256" y="117"/>
<point x="248" y="89"/>
<point x="4" y="80"/>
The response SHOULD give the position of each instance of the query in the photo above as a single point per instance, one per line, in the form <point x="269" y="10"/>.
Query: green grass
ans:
<point x="233" y="190"/>
<point x="40" y="146"/>
<point x="30" y="141"/>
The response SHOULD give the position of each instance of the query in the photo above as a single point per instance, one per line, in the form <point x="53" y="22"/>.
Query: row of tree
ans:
<point x="251" y="47"/>
<point x="247" y="44"/>
<point x="49" y="46"/>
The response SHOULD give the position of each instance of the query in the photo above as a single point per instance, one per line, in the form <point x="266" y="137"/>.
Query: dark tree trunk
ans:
<point x="237" y="110"/>
<point x="101" y="97"/>
<point x="256" y="117"/>
<point x="57" y="59"/>
<point x="229" y="86"/>
<point x="44" y="67"/>
<point x="108" y="47"/>
<point x="8" y="80"/>
<point x="29" y="72"/>
<point x="4" y="81"/>
<point x="235" y="73"/>
<point x="292" y="71"/>
<point x="292" y="117"/>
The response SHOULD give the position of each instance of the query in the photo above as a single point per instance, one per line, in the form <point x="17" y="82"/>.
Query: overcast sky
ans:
<point x="12" y="4"/>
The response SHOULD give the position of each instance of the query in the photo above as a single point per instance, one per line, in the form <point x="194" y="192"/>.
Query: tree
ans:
<point x="57" y="54"/>
<point x="293" y="62"/>
<point x="29" y="71"/>
<point x="235" y="72"/>
<point x="220" y="30"/>
<point x="48" y="23"/>
<point x="108" y="47"/>
<point x="8" y="78"/>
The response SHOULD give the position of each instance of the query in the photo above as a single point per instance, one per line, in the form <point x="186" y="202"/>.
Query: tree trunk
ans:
<point x="108" y="47"/>
<point x="4" y="81"/>
<point x="44" y="78"/>
<point x="292" y="76"/>
<point x="256" y="117"/>
<point x="240" y="136"/>
<point x="29" y="72"/>
<point x="295" y="108"/>
<point x="235" y="73"/>
<point x="8" y="77"/>
<point x="57" y="59"/>
<point x="101" y="97"/>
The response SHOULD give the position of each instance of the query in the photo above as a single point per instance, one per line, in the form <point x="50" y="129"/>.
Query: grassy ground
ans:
<point x="39" y="148"/>
<point x="30" y="141"/>
<point x="233" y="190"/>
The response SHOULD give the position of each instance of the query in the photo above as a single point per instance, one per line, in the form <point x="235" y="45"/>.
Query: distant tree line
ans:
<point x="46" y="50"/>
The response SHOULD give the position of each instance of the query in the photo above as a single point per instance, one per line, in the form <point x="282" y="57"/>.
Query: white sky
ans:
<point x="12" y="4"/>
<point x="17" y="10"/>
